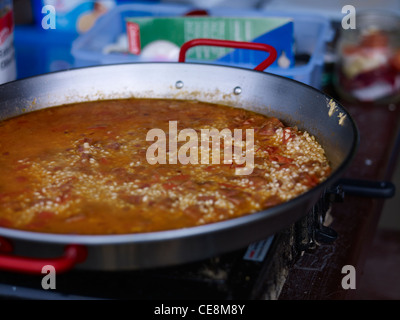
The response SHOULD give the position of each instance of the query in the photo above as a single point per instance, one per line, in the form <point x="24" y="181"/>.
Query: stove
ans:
<point x="235" y="275"/>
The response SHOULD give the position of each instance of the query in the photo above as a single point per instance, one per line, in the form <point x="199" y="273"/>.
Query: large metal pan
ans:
<point x="291" y="101"/>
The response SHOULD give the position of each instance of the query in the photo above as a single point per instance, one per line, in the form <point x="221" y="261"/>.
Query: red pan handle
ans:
<point x="73" y="254"/>
<point x="231" y="44"/>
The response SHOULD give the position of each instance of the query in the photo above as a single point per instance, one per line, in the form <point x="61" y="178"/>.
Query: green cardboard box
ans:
<point x="275" y="31"/>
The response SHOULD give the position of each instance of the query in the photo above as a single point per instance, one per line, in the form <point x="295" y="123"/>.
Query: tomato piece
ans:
<point x="288" y="135"/>
<point x="311" y="180"/>
<point x="281" y="159"/>
<point x="271" y="149"/>
<point x="169" y="185"/>
<point x="5" y="223"/>
<point x="22" y="166"/>
<point x="376" y="39"/>
<point x="45" y="215"/>
<point x="350" y="49"/>
<point x="40" y="220"/>
<point x="21" y="179"/>
<point x="104" y="160"/>
<point x="395" y="61"/>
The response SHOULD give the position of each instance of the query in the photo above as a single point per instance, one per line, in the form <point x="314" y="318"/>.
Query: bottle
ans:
<point x="8" y="70"/>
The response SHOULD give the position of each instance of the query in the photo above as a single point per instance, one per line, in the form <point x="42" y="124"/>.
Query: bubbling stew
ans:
<point x="99" y="167"/>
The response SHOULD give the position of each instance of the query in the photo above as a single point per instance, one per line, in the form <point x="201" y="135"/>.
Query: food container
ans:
<point x="368" y="67"/>
<point x="7" y="56"/>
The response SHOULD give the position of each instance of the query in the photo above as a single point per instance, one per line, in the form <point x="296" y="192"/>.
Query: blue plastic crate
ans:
<point x="312" y="32"/>
<point x="311" y="35"/>
<point x="39" y="51"/>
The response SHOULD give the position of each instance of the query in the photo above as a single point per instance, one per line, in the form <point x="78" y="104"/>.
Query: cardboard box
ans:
<point x="172" y="32"/>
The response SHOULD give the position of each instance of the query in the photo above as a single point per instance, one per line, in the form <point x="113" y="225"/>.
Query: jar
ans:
<point x="368" y="66"/>
<point x="7" y="56"/>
